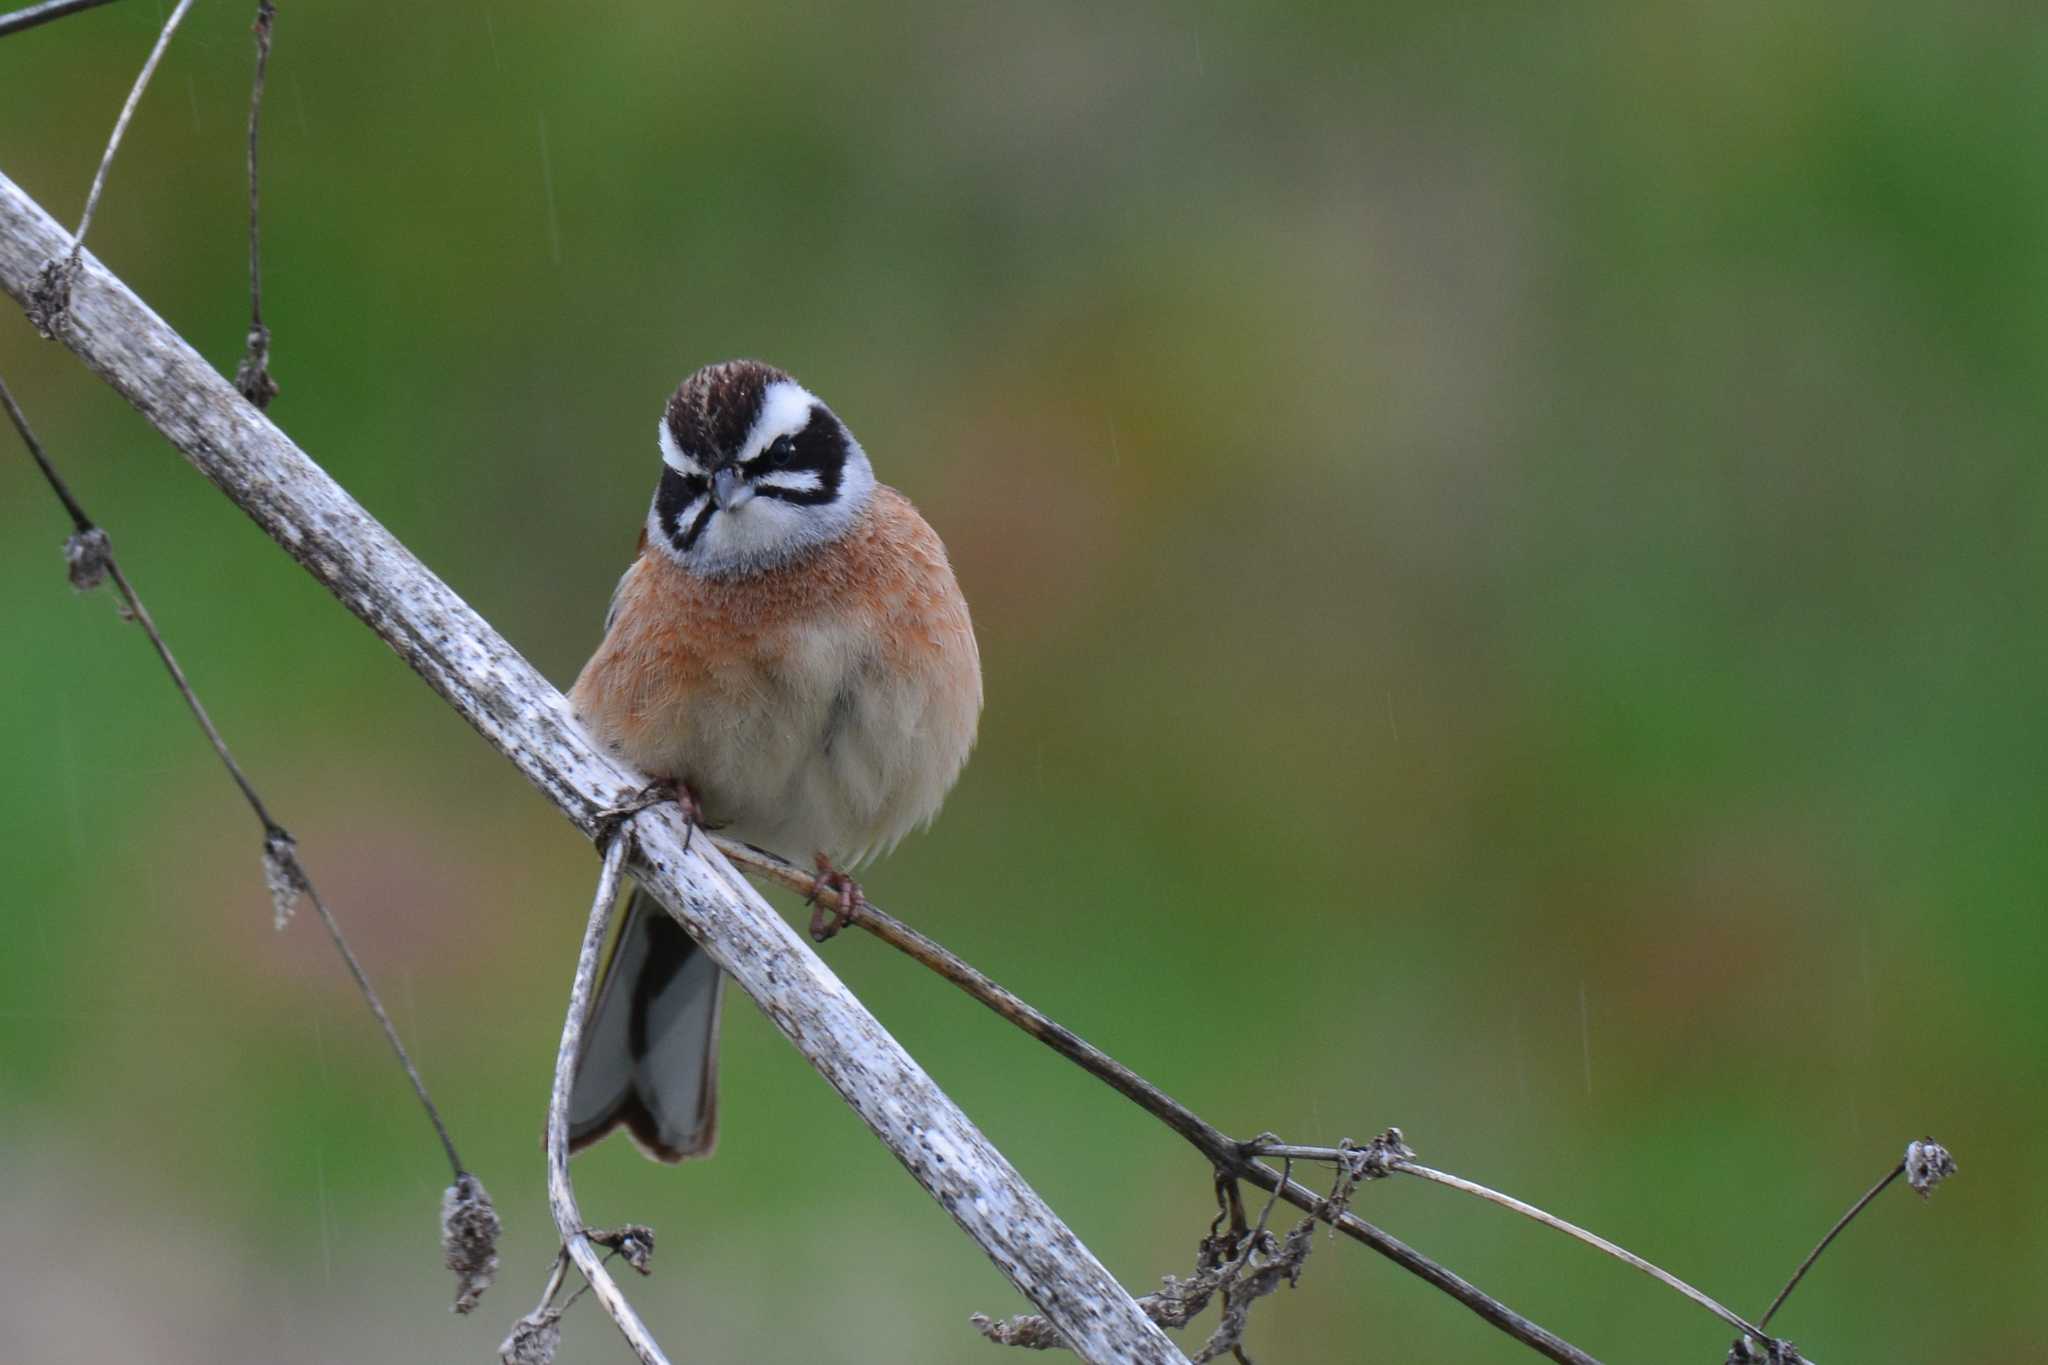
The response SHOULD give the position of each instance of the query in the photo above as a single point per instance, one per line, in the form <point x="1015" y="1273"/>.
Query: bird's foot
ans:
<point x="825" y="923"/>
<point x="651" y="795"/>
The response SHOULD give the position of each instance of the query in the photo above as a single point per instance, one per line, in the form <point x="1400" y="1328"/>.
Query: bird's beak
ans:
<point x="729" y="490"/>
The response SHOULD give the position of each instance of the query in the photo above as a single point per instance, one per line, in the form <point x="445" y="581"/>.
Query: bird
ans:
<point x="791" y="655"/>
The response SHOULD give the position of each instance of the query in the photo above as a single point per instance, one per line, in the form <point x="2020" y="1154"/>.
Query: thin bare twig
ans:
<point x="280" y="849"/>
<point x="561" y="1190"/>
<point x="1928" y="1158"/>
<point x="91" y="554"/>
<point x="535" y="1338"/>
<point x="412" y="1073"/>
<point x="1591" y="1239"/>
<point x="83" y="527"/>
<point x="1225" y="1153"/>
<point x="252" y="376"/>
<point x="1873" y="1192"/>
<point x="1926" y="1164"/>
<point x="81" y="524"/>
<point x="32" y="15"/>
<point x="1389" y="1155"/>
<point x="54" y="294"/>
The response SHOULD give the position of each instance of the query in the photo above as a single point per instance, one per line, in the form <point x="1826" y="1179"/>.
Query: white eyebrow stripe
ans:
<point x="785" y="410"/>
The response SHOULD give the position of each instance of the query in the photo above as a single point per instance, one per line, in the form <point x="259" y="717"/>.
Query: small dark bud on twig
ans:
<point x="282" y="874"/>
<point x="469" y="1245"/>
<point x="1747" y="1350"/>
<point x="634" y="1241"/>
<point x="86" y="557"/>
<point x="535" y="1339"/>
<point x="1928" y="1163"/>
<point x="252" y="376"/>
<point x="1373" y="1160"/>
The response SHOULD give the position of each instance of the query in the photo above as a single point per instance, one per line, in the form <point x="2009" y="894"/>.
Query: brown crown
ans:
<point x="714" y="409"/>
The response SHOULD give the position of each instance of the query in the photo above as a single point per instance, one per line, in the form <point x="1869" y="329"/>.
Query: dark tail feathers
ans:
<point x="650" y="1053"/>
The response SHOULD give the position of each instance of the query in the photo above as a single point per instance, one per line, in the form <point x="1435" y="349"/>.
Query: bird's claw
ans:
<point x="611" y="818"/>
<point x="827" y="922"/>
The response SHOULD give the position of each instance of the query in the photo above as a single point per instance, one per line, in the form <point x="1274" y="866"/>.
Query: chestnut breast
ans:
<point x="825" y="704"/>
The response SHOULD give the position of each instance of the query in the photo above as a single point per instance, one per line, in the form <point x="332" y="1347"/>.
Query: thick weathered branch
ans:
<point x="521" y="714"/>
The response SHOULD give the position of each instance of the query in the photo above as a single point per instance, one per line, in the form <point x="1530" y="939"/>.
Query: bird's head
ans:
<point x="754" y="472"/>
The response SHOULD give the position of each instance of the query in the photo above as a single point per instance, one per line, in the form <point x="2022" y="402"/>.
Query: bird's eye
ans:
<point x="782" y="452"/>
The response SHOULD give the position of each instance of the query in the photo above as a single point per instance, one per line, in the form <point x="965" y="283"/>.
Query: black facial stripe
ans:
<point x="676" y="493"/>
<point x="820" y="450"/>
<point x="697" y="527"/>
<point x="764" y="463"/>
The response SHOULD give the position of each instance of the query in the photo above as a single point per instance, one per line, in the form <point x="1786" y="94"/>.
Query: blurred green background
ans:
<point x="1507" y="548"/>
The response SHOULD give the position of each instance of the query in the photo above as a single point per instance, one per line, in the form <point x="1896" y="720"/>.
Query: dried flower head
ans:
<point x="469" y="1240"/>
<point x="534" y="1340"/>
<point x="1928" y="1163"/>
<point x="1375" y="1159"/>
<point x="252" y="376"/>
<point x="1747" y="1350"/>
<point x="283" y="875"/>
<point x="86" y="557"/>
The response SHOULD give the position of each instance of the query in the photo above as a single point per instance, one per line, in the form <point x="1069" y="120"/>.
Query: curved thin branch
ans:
<point x="1783" y="1294"/>
<point x="1591" y="1239"/>
<point x="1393" y="1158"/>
<point x="561" y="1190"/>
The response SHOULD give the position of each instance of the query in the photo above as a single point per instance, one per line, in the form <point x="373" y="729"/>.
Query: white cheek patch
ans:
<point x="672" y="454"/>
<point x="791" y="481"/>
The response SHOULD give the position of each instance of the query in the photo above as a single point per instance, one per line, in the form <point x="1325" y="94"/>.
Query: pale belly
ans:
<point x="819" y="749"/>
